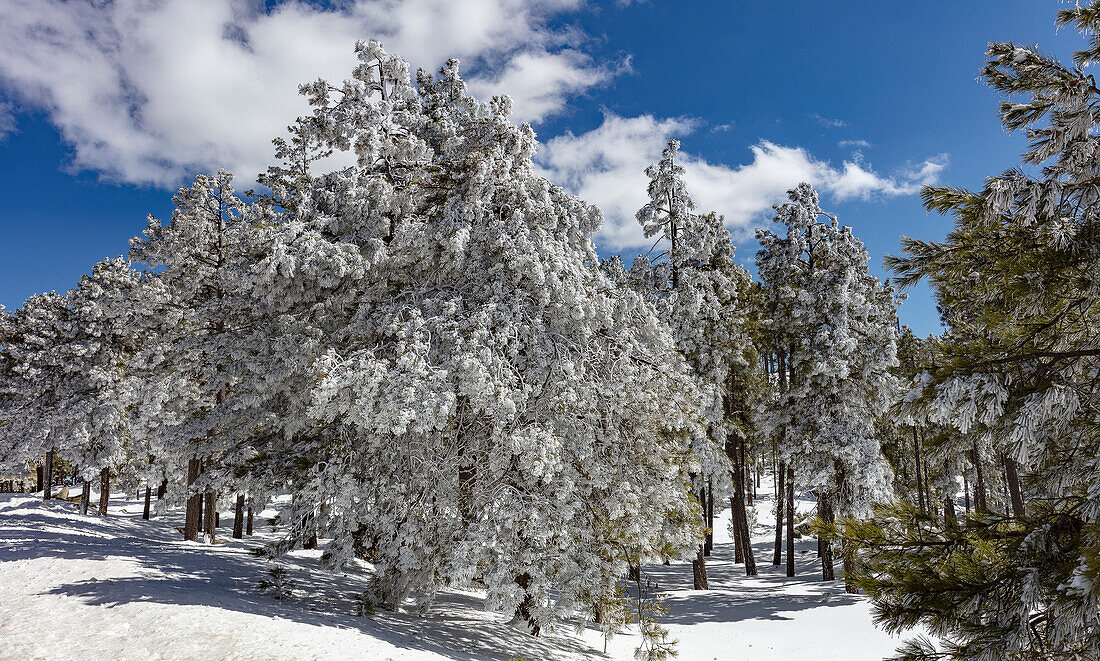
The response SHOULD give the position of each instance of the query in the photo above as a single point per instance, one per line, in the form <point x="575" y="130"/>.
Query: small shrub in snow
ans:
<point x="278" y="584"/>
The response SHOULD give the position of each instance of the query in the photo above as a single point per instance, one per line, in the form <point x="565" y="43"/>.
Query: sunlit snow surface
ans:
<point x="74" y="587"/>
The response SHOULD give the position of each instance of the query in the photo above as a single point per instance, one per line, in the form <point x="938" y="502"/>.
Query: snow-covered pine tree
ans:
<point x="204" y="331"/>
<point x="482" y="402"/>
<point x="1016" y="281"/>
<point x="697" y="286"/>
<point x="70" y="356"/>
<point x="840" y="324"/>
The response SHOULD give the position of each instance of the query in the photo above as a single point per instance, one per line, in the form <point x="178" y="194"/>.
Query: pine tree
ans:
<point x="1015" y="282"/>
<point x="459" y="383"/>
<point x="839" y="324"/>
<point x="699" y="289"/>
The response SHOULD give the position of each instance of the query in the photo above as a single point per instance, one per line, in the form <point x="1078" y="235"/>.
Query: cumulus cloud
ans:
<point x="605" y="167"/>
<point x="148" y="92"/>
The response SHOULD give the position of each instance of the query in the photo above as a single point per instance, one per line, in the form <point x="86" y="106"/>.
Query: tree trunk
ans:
<point x="148" y="496"/>
<point x="847" y="550"/>
<point x="210" y="503"/>
<point x="743" y="519"/>
<point x="162" y="489"/>
<point x="824" y="546"/>
<point x="699" y="571"/>
<point x="738" y="543"/>
<point x="248" y="525"/>
<point x="524" y="611"/>
<point x="966" y="493"/>
<point x="949" y="511"/>
<point x="708" y="502"/>
<point x="979" y="487"/>
<point x="790" y="521"/>
<point x="1013" y="480"/>
<point x="920" y="482"/>
<point x="238" y="518"/>
<point x="85" y="497"/>
<point x="194" y="503"/>
<point x="49" y="476"/>
<point x="777" y="557"/>
<point x="104" y="489"/>
<point x="38" y="478"/>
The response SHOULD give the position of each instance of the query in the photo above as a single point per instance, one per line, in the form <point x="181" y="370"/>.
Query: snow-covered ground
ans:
<point x="74" y="587"/>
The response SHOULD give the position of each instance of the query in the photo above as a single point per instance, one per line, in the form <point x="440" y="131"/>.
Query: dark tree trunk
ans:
<point x="210" y="503"/>
<point x="979" y="487"/>
<point x="525" y="606"/>
<point x="85" y="497"/>
<point x="708" y="503"/>
<point x="928" y="490"/>
<point x="849" y="567"/>
<point x="248" y="525"/>
<point x="744" y="483"/>
<point x="781" y="491"/>
<point x="38" y="478"/>
<point x="790" y="521"/>
<point x="738" y="543"/>
<point x="920" y="482"/>
<point x="148" y="496"/>
<point x="104" y="490"/>
<point x="238" y="518"/>
<point x="49" y="476"/>
<point x="1013" y="481"/>
<point x="743" y="520"/>
<point x="699" y="571"/>
<point x="824" y="546"/>
<point x="194" y="503"/>
<point x="966" y="493"/>
<point x="162" y="489"/>
<point x="949" y="511"/>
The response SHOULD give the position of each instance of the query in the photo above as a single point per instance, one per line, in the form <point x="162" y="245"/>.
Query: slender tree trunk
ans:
<point x="708" y="501"/>
<point x="1013" y="480"/>
<point x="238" y="518"/>
<point x="917" y="463"/>
<point x="979" y="486"/>
<point x="966" y="493"/>
<point x="211" y="504"/>
<point x="104" y="489"/>
<point x="743" y="520"/>
<point x="49" y="476"/>
<point x="85" y="497"/>
<point x="790" y="520"/>
<point x="194" y="503"/>
<point x="38" y="478"/>
<point x="824" y="546"/>
<point x="949" y="511"/>
<point x="162" y="489"/>
<point x="248" y="524"/>
<point x="148" y="496"/>
<point x="777" y="557"/>
<point x="928" y="489"/>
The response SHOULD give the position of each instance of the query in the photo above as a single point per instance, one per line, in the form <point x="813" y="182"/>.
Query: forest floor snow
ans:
<point x="119" y="587"/>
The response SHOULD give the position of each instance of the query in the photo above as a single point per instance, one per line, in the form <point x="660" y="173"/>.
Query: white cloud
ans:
<point x="7" y="119"/>
<point x="829" y="123"/>
<point x="148" y="92"/>
<point x="605" y="167"/>
<point x="854" y="144"/>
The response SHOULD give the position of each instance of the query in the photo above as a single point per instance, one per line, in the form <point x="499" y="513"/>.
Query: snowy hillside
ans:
<point x="118" y="587"/>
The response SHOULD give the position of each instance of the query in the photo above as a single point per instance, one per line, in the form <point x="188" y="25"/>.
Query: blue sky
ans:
<point x="106" y="109"/>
